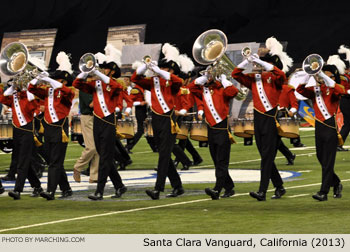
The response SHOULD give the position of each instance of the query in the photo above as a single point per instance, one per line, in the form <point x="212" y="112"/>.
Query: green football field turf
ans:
<point x="193" y="212"/>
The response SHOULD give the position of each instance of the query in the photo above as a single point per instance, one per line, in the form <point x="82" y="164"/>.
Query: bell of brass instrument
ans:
<point x="209" y="49"/>
<point x="246" y="52"/>
<point x="15" y="62"/>
<point x="313" y="64"/>
<point x="87" y="62"/>
<point x="147" y="59"/>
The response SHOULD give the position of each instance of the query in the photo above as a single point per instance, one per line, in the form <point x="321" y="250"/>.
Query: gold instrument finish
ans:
<point x="313" y="64"/>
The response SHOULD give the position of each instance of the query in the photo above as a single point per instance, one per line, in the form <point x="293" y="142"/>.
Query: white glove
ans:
<point x="293" y="110"/>
<point x="9" y="91"/>
<point x="202" y="80"/>
<point x="264" y="64"/>
<point x="200" y="112"/>
<point x="102" y="76"/>
<point x="54" y="83"/>
<point x="224" y="81"/>
<point x="34" y="81"/>
<point x="327" y="80"/>
<point x="182" y="112"/>
<point x="243" y="64"/>
<point x="164" y="74"/>
<point x="30" y="96"/>
<point x="141" y="69"/>
<point x="127" y="110"/>
<point x="117" y="109"/>
<point x="311" y="82"/>
<point x="82" y="75"/>
<point x="348" y="91"/>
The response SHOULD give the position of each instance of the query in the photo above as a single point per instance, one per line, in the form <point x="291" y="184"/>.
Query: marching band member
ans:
<point x="216" y="96"/>
<point x="344" y="54"/>
<point x="58" y="100"/>
<point x="23" y="106"/>
<point x="266" y="87"/>
<point x="104" y="90"/>
<point x="164" y="86"/>
<point x="325" y="95"/>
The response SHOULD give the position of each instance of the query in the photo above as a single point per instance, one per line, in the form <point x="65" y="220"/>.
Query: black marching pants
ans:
<point x="267" y="139"/>
<point x="220" y="147"/>
<point x="326" y="149"/>
<point x="56" y="151"/>
<point x="24" y="144"/>
<point x="104" y="136"/>
<point x="165" y="142"/>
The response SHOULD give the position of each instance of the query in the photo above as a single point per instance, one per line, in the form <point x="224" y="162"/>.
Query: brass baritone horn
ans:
<point x="87" y="62"/>
<point x="209" y="49"/>
<point x="15" y="62"/>
<point x="313" y="64"/>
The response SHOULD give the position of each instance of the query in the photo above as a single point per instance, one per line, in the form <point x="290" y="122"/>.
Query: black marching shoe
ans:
<point x="36" y="192"/>
<point x="2" y="189"/>
<point x="291" y="160"/>
<point x="154" y="194"/>
<point x="341" y="148"/>
<point x="176" y="192"/>
<point x="198" y="161"/>
<point x="186" y="167"/>
<point x="15" y="195"/>
<point x="48" y="195"/>
<point x="66" y="193"/>
<point x="320" y="196"/>
<point x="260" y="196"/>
<point x="337" y="191"/>
<point x="96" y="196"/>
<point x="119" y="192"/>
<point x="8" y="178"/>
<point x="279" y="192"/>
<point x="228" y="193"/>
<point x="298" y="145"/>
<point x="212" y="193"/>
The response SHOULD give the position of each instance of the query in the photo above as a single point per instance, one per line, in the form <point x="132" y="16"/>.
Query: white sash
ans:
<point x="261" y="92"/>
<point x="209" y="101"/>
<point x="22" y="120"/>
<point x="320" y="103"/>
<point x="101" y="98"/>
<point x="52" y="111"/>
<point x="159" y="95"/>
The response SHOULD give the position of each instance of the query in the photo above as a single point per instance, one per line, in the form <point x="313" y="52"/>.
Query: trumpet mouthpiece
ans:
<point x="314" y="66"/>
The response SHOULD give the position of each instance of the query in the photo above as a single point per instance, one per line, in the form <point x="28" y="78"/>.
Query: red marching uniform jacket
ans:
<point x="287" y="98"/>
<point x="266" y="87"/>
<point x="103" y="94"/>
<point x="325" y="99"/>
<point x="162" y="91"/>
<point x="123" y="95"/>
<point x="216" y="100"/>
<point x="22" y="109"/>
<point x="137" y="94"/>
<point x="58" y="101"/>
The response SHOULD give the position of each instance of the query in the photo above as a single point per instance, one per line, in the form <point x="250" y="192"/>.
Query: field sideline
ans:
<point x="192" y="212"/>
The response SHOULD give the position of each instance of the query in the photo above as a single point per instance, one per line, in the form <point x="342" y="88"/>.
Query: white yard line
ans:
<point x="298" y="195"/>
<point x="137" y="210"/>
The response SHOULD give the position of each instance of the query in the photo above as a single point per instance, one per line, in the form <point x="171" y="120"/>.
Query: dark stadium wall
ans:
<point x="308" y="26"/>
